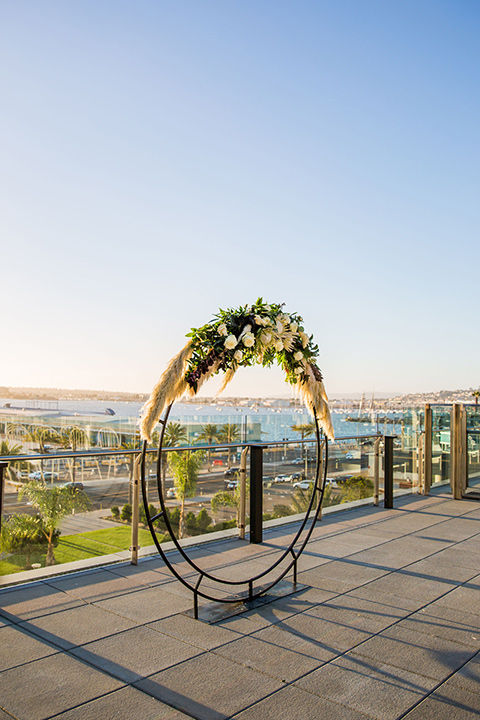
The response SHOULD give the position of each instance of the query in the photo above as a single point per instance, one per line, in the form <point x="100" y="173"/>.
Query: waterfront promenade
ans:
<point x="387" y="627"/>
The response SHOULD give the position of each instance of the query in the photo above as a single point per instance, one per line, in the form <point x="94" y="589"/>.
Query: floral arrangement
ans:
<point x="261" y="333"/>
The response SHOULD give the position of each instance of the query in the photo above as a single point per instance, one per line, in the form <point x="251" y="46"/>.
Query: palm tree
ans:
<point x="41" y="434"/>
<point x="209" y="435"/>
<point x="14" y="466"/>
<point x="185" y="466"/>
<point x="21" y="533"/>
<point x="74" y="438"/>
<point x="53" y="504"/>
<point x="476" y="395"/>
<point x="305" y="430"/>
<point x="175" y="435"/>
<point x="229" y="433"/>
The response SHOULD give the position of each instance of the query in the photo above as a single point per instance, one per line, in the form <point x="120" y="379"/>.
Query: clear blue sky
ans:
<point x="161" y="159"/>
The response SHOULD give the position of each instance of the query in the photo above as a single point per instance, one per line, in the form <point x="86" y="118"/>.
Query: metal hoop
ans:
<point x="318" y="491"/>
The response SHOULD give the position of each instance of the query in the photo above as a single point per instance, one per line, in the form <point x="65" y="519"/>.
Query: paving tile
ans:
<point x="77" y="626"/>
<point x="148" y="572"/>
<point x="19" y="647"/>
<point x="398" y="604"/>
<point x="401" y="583"/>
<point x="467" y="677"/>
<point x="380" y="557"/>
<point x="332" y="637"/>
<point x="209" y="687"/>
<point x="31" y="601"/>
<point x="436" y="568"/>
<point x="340" y="575"/>
<point x="195" y="632"/>
<point x="457" y="529"/>
<point x="288" y="638"/>
<point x="459" y="556"/>
<point x="94" y="586"/>
<point x="52" y="685"/>
<point x="292" y="703"/>
<point x="372" y="687"/>
<point x="346" y="610"/>
<point x="465" y="598"/>
<point x="147" y="605"/>
<point x="446" y="623"/>
<point x="136" y="653"/>
<point x="451" y="703"/>
<point x="256" y="652"/>
<point x="123" y="704"/>
<point x="431" y="656"/>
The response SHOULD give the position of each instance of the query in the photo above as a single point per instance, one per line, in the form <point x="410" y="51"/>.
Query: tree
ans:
<point x="14" y="466"/>
<point x="356" y="488"/>
<point x="73" y="438"/>
<point x="476" y="395"/>
<point x="21" y="533"/>
<point x="305" y="430"/>
<point x="229" y="433"/>
<point x="208" y="435"/>
<point x="53" y="504"/>
<point x="41" y="434"/>
<point x="184" y="467"/>
<point x="175" y="434"/>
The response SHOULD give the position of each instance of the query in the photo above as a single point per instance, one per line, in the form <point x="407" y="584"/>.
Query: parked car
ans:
<point x="303" y="485"/>
<point x="297" y="476"/>
<point x="49" y="476"/>
<point x="282" y="478"/>
<point x="232" y="485"/>
<point x="330" y="482"/>
<point x="171" y="494"/>
<point x="73" y="485"/>
<point x="231" y="472"/>
<point x="297" y="461"/>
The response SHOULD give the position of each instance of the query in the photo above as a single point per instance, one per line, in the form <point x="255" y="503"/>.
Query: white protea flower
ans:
<point x="248" y="339"/>
<point x="278" y="345"/>
<point x="265" y="337"/>
<point x="304" y="337"/>
<point x="294" y="327"/>
<point x="279" y="325"/>
<point x="238" y="355"/>
<point x="222" y="329"/>
<point x="231" y="342"/>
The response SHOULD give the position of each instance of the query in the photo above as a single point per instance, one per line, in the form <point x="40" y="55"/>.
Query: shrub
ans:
<point x="126" y="513"/>
<point x="115" y="512"/>
<point x="203" y="520"/>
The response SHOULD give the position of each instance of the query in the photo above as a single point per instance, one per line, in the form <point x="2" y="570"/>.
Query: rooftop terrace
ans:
<point x="388" y="626"/>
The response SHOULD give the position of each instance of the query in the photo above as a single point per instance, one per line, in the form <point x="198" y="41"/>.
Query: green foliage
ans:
<point x="282" y="511"/>
<point x="203" y="520"/>
<point x="115" y="511"/>
<point x="356" y="488"/>
<point x="175" y="516"/>
<point x="126" y="513"/>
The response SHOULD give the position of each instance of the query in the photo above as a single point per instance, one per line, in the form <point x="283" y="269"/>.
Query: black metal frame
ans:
<point x="250" y="594"/>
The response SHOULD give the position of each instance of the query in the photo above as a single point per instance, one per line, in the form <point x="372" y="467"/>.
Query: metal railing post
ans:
<point x="135" y="509"/>
<point x="458" y="451"/>
<point x="243" y="494"/>
<point x="3" y="467"/>
<point x="388" y="471"/>
<point x="256" y="493"/>
<point x="427" y="450"/>
<point x="376" y="472"/>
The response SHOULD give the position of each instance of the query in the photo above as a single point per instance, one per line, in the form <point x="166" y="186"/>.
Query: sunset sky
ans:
<point x="164" y="158"/>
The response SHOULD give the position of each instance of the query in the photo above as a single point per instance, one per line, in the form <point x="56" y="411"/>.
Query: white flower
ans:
<point x="246" y="329"/>
<point x="294" y="327"/>
<point x="248" y="339"/>
<point x="261" y="320"/>
<point x="285" y="319"/>
<point x="222" y="329"/>
<point x="298" y="355"/>
<point x="298" y="370"/>
<point x="278" y="345"/>
<point x="238" y="355"/>
<point x="265" y="337"/>
<point x="279" y="325"/>
<point x="304" y="338"/>
<point x="231" y="342"/>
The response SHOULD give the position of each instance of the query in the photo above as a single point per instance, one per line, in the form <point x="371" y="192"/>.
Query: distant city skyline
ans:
<point x="162" y="160"/>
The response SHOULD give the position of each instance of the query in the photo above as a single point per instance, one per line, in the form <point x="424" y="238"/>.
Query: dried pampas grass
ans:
<point x="169" y="388"/>
<point x="315" y="398"/>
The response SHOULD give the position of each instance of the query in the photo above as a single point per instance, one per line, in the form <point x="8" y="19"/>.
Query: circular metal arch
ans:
<point x="318" y="491"/>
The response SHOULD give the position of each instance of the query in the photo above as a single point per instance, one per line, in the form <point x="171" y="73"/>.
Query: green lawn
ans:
<point x="84" y="545"/>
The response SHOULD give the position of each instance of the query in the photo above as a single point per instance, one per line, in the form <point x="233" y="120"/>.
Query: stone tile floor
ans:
<point x="386" y="627"/>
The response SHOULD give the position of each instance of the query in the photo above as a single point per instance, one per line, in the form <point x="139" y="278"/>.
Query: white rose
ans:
<point x="294" y="327"/>
<point x="231" y="342"/>
<point x="248" y="339"/>
<point x="260" y="320"/>
<point x="279" y="345"/>
<point x="222" y="329"/>
<point x="304" y="338"/>
<point x="298" y="355"/>
<point x="298" y="370"/>
<point x="238" y="355"/>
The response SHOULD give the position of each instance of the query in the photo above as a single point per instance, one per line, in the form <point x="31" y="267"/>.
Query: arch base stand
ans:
<point x="217" y="611"/>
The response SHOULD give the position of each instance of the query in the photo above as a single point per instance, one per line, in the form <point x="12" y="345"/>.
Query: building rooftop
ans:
<point x="386" y="627"/>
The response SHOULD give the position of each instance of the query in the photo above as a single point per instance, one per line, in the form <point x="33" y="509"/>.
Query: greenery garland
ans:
<point x="261" y="333"/>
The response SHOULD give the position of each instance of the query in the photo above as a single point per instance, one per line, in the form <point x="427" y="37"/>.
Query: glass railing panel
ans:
<point x="473" y="458"/>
